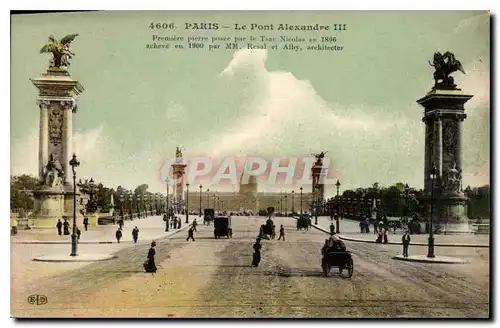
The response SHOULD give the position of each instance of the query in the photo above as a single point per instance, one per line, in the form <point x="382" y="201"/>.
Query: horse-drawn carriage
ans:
<point x="303" y="222"/>
<point x="341" y="259"/>
<point x="222" y="227"/>
<point x="268" y="230"/>
<point x="208" y="216"/>
<point x="335" y="254"/>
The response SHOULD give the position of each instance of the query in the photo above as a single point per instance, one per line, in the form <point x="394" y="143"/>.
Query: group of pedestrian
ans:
<point x="364" y="225"/>
<point x="175" y="222"/>
<point x="63" y="227"/>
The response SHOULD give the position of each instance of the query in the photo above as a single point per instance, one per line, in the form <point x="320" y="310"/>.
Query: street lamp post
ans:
<point x="74" y="242"/>
<point x="168" y="206"/>
<point x="316" y="201"/>
<point x="208" y="198"/>
<point x="121" y="206"/>
<point x="293" y="202"/>
<point x="200" y="199"/>
<point x="301" y="201"/>
<point x="286" y="204"/>
<point x="407" y="191"/>
<point x="214" y="201"/>
<point x="187" y="202"/>
<point x="337" y="223"/>
<point x="129" y="195"/>
<point x="430" y="252"/>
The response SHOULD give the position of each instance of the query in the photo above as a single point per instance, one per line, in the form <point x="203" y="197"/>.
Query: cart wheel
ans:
<point x="350" y="269"/>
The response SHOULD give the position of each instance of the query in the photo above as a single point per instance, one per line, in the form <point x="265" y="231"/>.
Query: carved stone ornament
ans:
<point x="449" y="137"/>
<point x="43" y="104"/>
<point x="55" y="126"/>
<point x="451" y="180"/>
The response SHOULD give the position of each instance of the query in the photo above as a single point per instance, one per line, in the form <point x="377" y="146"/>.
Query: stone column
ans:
<point x="427" y="156"/>
<point x="43" y="149"/>
<point x="67" y="131"/>
<point x="458" y="147"/>
<point x="439" y="146"/>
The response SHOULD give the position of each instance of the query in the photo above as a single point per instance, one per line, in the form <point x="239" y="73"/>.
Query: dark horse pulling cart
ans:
<point x="208" y="216"/>
<point x="339" y="258"/>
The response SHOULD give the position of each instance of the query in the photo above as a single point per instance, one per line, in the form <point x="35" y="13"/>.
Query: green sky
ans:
<point x="358" y="104"/>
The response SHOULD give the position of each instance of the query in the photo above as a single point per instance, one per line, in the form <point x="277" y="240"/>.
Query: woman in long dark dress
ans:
<point x="256" y="255"/>
<point x="150" y="265"/>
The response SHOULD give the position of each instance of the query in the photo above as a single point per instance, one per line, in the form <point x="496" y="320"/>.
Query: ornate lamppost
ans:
<point x="137" y="206"/>
<point x="316" y="202"/>
<point x="208" y="198"/>
<point x="293" y="202"/>
<point x="200" y="199"/>
<point x="187" y="202"/>
<point x="121" y="205"/>
<point x="430" y="245"/>
<point x="301" y="201"/>
<point x="337" y="223"/>
<point x="74" y="241"/>
<point x="130" y="197"/>
<point x="407" y="192"/>
<point x="286" y="204"/>
<point x="168" y="205"/>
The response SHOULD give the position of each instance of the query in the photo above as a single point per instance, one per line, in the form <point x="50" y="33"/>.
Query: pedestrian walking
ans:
<point x="118" y="235"/>
<point x="379" y="237"/>
<point x="361" y="226"/>
<point x="190" y="234"/>
<point x="273" y="232"/>
<point x="406" y="242"/>
<point x="256" y="255"/>
<point x="367" y="225"/>
<point x="59" y="227"/>
<point x="135" y="234"/>
<point x="282" y="233"/>
<point x="78" y="233"/>
<point x="150" y="265"/>
<point x="66" y="227"/>
<point x="195" y="224"/>
<point x="86" y="223"/>
<point x="332" y="228"/>
<point x="384" y="232"/>
<point x="121" y="223"/>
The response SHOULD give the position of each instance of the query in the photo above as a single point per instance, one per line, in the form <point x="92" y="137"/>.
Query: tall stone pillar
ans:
<point x="43" y="147"/>
<point x="57" y="95"/>
<point x="318" y="187"/>
<point x="179" y="169"/>
<point x="443" y="115"/>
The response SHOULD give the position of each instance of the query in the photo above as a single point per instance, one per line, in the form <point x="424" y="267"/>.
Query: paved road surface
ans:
<point x="213" y="278"/>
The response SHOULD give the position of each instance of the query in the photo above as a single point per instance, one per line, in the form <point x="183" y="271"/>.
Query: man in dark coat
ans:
<point x="135" y="234"/>
<point x="66" y="227"/>
<point x="190" y="233"/>
<point x="195" y="224"/>
<point x="332" y="228"/>
<point x="256" y="255"/>
<point x="59" y="227"/>
<point x="150" y="265"/>
<point x="78" y="233"/>
<point x="86" y="223"/>
<point x="121" y="223"/>
<point x="118" y="235"/>
<point x="282" y="233"/>
<point x="406" y="242"/>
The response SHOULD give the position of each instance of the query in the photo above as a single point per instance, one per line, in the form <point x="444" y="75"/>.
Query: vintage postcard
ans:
<point x="250" y="164"/>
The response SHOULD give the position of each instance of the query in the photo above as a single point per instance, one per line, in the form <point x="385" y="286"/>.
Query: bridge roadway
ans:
<point x="213" y="278"/>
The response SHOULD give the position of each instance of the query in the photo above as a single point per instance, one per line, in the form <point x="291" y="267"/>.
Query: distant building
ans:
<point x="249" y="199"/>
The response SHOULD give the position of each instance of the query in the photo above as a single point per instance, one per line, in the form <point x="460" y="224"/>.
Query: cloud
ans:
<point x="284" y="106"/>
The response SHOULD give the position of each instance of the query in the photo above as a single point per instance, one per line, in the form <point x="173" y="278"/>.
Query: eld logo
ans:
<point x="37" y="299"/>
